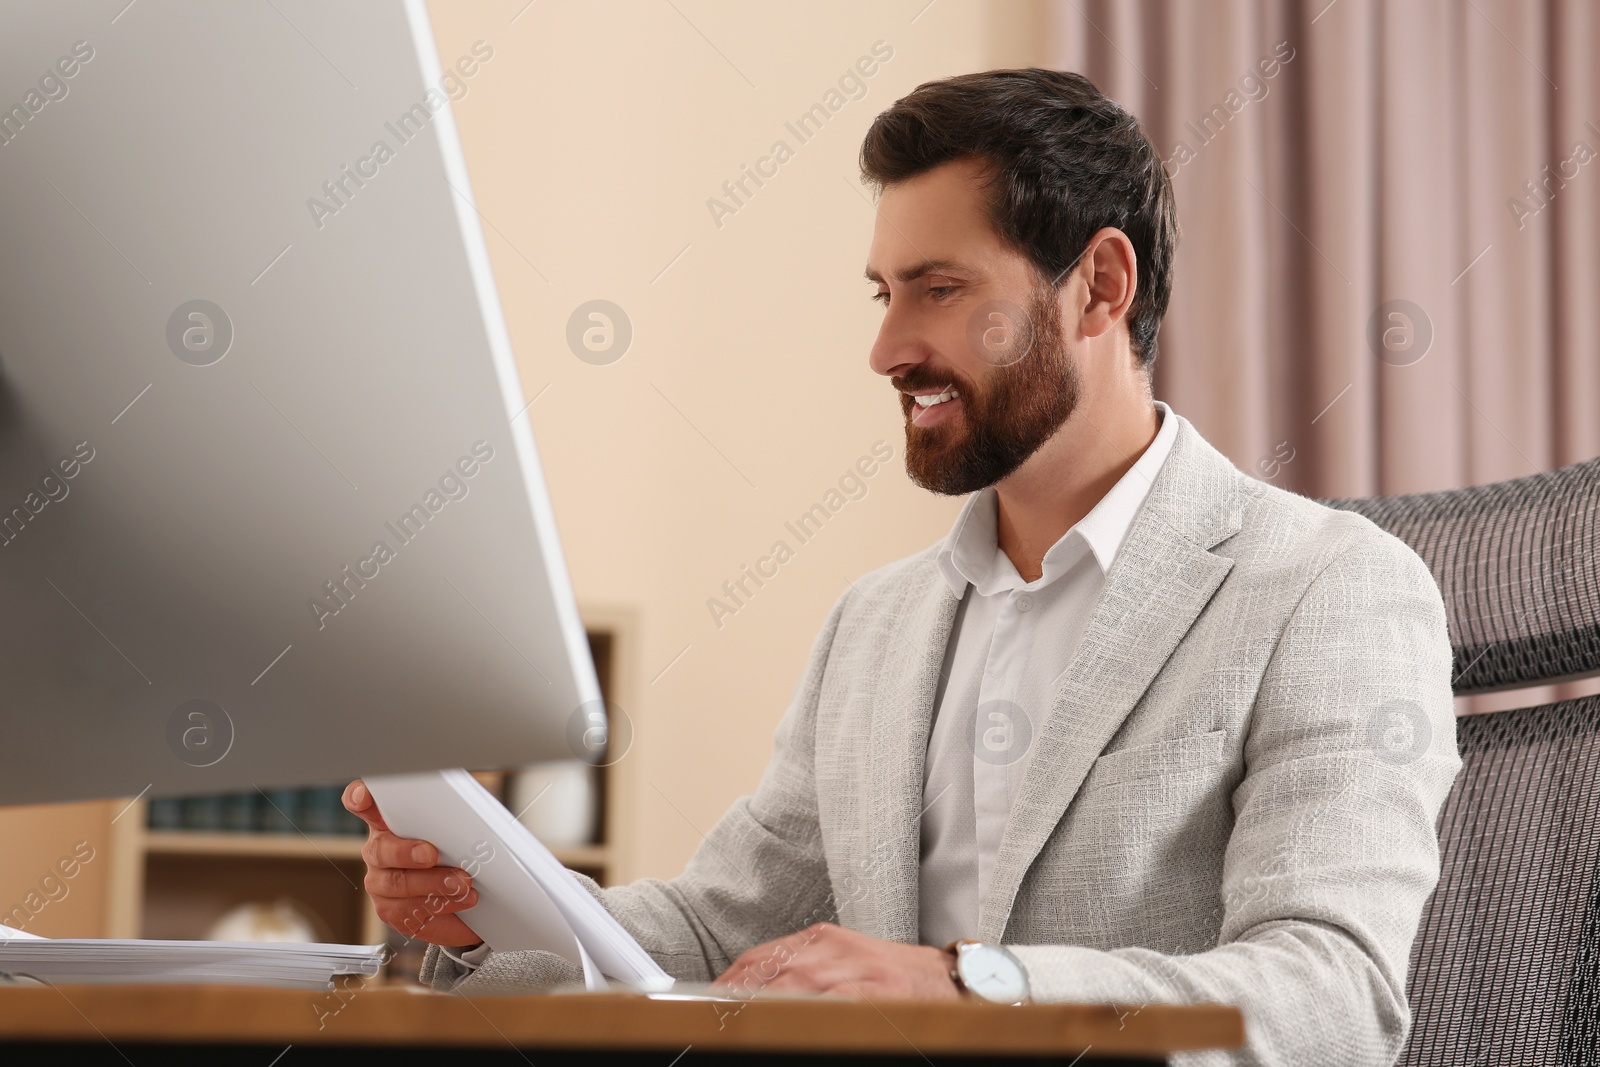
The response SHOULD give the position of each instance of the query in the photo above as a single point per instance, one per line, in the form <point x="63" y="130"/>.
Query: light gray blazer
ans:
<point x="1232" y="799"/>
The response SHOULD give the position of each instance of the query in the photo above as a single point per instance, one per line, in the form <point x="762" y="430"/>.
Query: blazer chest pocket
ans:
<point x="1173" y="757"/>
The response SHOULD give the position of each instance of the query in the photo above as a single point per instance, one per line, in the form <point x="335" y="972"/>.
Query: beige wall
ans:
<point x="594" y="137"/>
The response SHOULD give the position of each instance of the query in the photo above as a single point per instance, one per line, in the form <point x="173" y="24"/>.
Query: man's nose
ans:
<point x="898" y="348"/>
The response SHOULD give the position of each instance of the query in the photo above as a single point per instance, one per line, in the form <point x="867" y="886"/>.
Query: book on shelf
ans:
<point x="318" y="810"/>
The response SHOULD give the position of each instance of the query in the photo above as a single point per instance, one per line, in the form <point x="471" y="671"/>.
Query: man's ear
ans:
<point x="1111" y="272"/>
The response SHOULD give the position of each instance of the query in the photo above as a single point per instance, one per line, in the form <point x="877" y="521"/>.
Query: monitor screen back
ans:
<point x="270" y="508"/>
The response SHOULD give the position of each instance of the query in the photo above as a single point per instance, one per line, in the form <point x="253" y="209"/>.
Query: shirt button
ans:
<point x="1024" y="602"/>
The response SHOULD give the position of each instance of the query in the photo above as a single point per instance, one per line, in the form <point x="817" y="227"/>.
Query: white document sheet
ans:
<point x="526" y="899"/>
<point x="76" y="961"/>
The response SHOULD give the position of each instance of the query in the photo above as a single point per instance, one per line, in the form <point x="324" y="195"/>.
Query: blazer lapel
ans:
<point x="912" y="641"/>
<point x="1162" y="578"/>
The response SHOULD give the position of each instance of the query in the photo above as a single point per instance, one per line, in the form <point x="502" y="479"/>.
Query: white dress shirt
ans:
<point x="986" y="710"/>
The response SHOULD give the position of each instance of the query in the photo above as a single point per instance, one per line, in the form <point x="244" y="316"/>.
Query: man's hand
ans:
<point x="408" y="891"/>
<point x="830" y="959"/>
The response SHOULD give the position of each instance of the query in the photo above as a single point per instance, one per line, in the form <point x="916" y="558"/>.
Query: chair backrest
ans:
<point x="1506" y="965"/>
<point x="1518" y="563"/>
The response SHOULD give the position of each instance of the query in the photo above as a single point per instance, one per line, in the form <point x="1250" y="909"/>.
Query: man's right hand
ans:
<point x="408" y="890"/>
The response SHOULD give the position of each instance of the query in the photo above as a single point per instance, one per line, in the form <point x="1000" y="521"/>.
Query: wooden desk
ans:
<point x="389" y="1024"/>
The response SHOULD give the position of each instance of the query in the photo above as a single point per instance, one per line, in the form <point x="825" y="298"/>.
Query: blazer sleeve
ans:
<point x="758" y="875"/>
<point x="1350" y="753"/>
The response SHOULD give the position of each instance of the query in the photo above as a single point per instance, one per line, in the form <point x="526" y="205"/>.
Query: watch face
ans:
<point x="992" y="973"/>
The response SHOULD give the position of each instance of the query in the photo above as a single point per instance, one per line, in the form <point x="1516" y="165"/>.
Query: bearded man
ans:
<point x="1122" y="736"/>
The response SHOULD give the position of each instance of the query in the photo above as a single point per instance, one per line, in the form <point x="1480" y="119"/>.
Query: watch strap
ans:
<point x="952" y="949"/>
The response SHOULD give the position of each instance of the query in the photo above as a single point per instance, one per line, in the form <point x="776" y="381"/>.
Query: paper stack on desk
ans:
<point x="98" y="961"/>
<point x="526" y="899"/>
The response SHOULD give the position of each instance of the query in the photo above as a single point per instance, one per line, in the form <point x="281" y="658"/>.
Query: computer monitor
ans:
<point x="270" y="508"/>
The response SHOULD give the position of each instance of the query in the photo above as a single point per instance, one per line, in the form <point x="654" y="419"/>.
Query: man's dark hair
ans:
<point x="1064" y="160"/>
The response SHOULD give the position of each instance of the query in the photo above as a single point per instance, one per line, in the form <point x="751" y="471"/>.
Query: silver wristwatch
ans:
<point x="989" y="972"/>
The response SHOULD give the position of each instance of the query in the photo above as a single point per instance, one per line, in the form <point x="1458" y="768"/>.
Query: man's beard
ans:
<point x="1021" y="408"/>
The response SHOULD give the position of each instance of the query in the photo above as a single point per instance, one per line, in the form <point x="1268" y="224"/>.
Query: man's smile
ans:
<point x="932" y="408"/>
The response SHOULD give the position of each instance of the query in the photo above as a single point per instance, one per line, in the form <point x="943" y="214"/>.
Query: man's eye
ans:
<point x="939" y="292"/>
<point x="882" y="298"/>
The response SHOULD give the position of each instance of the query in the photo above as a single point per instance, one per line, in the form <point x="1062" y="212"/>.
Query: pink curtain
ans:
<point x="1389" y="276"/>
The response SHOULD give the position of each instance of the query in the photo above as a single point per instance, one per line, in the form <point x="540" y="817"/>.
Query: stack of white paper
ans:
<point x="98" y="961"/>
<point x="526" y="899"/>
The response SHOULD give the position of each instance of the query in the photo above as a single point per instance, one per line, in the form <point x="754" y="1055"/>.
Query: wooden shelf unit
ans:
<point x="175" y="883"/>
<point x="325" y="846"/>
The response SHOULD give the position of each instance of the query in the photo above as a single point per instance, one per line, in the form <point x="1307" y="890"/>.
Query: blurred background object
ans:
<point x="557" y="801"/>
<point x="281" y="920"/>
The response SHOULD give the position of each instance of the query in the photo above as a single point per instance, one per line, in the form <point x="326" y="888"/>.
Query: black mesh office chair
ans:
<point x="1506" y="965"/>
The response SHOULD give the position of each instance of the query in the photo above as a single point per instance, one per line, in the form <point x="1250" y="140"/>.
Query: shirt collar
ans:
<point x="971" y="552"/>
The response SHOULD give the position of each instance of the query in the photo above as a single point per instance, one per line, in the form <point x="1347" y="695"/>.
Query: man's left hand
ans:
<point x="825" y="958"/>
